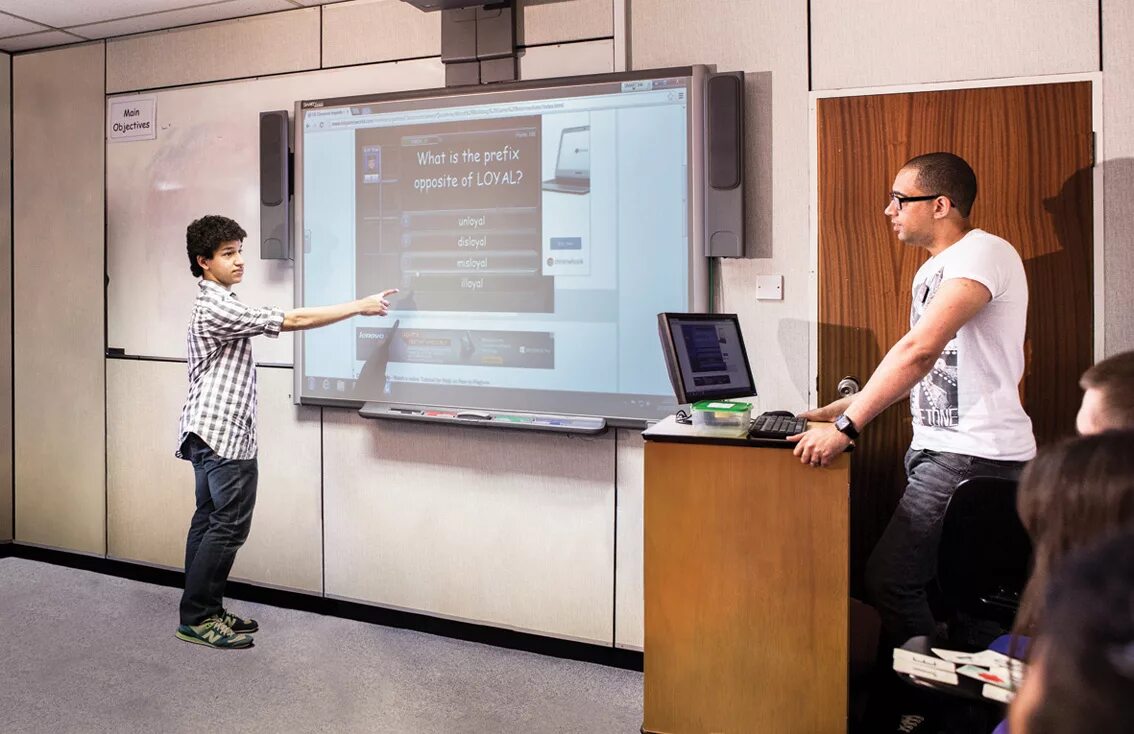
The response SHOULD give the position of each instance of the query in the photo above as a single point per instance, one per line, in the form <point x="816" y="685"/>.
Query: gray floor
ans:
<point x="84" y="652"/>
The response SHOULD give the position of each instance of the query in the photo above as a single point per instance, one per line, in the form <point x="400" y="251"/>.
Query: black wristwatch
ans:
<point x="845" y="426"/>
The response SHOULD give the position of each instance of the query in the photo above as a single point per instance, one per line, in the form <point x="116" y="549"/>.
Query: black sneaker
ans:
<point x="213" y="633"/>
<point x="239" y="624"/>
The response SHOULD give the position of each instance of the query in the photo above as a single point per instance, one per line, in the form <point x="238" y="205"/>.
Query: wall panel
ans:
<point x="628" y="620"/>
<point x="591" y="57"/>
<point x="150" y="491"/>
<point x="506" y="528"/>
<point x="5" y="298"/>
<point x="876" y="42"/>
<point x="285" y="548"/>
<point x="768" y="40"/>
<point x="556" y="22"/>
<point x="59" y="411"/>
<point x="1118" y="171"/>
<point x="263" y="44"/>
<point x="365" y="31"/>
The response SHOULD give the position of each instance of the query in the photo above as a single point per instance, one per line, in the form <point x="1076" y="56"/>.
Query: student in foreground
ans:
<point x="1108" y="395"/>
<point x="1075" y="493"/>
<point x="217" y="431"/>
<point x="1081" y="676"/>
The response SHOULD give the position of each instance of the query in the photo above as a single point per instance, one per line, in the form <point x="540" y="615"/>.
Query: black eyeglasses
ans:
<point x="900" y="200"/>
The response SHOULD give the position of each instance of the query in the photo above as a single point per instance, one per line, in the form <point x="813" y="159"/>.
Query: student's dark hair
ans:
<point x="948" y="175"/>
<point x="1074" y="493"/>
<point x="203" y="236"/>
<point x="1087" y="644"/>
<point x="1114" y="378"/>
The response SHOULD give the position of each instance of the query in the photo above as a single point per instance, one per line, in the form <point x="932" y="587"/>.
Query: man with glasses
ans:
<point x="960" y="364"/>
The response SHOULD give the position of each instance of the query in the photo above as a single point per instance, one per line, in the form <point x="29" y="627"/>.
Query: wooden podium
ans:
<point x="745" y="574"/>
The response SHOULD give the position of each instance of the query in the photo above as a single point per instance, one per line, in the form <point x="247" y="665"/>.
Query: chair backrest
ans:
<point x="985" y="554"/>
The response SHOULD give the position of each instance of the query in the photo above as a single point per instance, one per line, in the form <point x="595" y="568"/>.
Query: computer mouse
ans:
<point x="785" y="413"/>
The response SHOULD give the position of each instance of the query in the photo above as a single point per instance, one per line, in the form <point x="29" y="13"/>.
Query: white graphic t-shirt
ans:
<point x="969" y="403"/>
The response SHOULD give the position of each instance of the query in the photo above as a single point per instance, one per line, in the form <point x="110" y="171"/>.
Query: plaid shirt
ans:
<point x="221" y="407"/>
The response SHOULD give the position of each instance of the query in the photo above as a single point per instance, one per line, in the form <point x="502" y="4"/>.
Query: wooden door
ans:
<point x="1031" y="148"/>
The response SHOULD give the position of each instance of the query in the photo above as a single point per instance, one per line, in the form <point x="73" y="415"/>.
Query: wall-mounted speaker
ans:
<point x="275" y="186"/>
<point x="724" y="165"/>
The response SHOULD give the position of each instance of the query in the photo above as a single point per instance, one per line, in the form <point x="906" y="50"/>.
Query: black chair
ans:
<point x="983" y="563"/>
<point x="984" y="558"/>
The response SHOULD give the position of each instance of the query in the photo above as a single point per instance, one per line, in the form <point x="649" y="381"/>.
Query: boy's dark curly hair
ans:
<point x="204" y="236"/>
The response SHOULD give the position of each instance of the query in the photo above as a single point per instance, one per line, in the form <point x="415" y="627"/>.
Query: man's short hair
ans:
<point x="1087" y="644"/>
<point x="1114" y="379"/>
<point x="947" y="175"/>
<point x="203" y="236"/>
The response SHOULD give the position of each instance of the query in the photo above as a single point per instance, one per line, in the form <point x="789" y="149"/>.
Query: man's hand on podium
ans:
<point x="820" y="444"/>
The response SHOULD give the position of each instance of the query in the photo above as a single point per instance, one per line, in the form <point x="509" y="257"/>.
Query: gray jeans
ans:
<point x="905" y="559"/>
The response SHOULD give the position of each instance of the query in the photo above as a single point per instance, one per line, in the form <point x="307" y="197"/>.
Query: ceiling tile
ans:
<point x="10" y="26"/>
<point x="37" y="40"/>
<point x="186" y="16"/>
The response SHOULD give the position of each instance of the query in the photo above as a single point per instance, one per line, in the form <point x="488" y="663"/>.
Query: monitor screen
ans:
<point x="534" y="230"/>
<point x="705" y="356"/>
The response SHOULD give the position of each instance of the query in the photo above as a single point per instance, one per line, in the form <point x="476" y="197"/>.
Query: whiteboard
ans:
<point x="205" y="160"/>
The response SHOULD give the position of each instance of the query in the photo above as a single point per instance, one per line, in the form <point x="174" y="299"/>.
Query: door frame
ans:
<point x="1098" y="243"/>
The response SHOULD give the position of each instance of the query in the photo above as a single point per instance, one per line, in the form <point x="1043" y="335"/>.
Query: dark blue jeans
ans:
<point x="226" y="495"/>
<point x="905" y="560"/>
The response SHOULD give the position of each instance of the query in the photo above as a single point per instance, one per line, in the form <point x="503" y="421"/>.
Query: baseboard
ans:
<point x="487" y="635"/>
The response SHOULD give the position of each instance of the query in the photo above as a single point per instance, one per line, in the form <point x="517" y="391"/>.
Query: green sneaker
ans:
<point x="239" y="625"/>
<point x="213" y="632"/>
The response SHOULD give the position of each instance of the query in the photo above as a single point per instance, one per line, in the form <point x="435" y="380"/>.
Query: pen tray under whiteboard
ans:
<point x="486" y="418"/>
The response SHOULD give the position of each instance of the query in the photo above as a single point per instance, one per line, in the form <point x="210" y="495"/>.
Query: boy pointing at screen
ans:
<point x="218" y="423"/>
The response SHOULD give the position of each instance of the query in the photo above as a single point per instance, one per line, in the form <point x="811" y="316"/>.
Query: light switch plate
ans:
<point x="769" y="287"/>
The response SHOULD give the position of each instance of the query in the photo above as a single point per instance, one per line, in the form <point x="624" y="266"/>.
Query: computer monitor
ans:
<point x="705" y="356"/>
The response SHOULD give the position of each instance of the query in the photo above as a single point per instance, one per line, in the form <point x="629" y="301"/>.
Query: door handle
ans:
<point x="848" y="386"/>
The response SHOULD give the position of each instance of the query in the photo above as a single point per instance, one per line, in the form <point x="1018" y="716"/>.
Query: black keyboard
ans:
<point x="766" y="425"/>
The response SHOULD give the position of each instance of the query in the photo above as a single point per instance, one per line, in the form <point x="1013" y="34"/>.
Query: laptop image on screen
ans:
<point x="706" y="360"/>
<point x="573" y="164"/>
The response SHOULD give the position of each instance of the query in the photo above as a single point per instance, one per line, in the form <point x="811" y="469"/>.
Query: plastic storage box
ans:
<point x="721" y="417"/>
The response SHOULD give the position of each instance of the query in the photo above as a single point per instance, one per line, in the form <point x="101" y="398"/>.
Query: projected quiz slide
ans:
<point x="532" y="243"/>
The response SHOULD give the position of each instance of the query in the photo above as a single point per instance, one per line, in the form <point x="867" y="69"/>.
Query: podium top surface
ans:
<point x="668" y="430"/>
